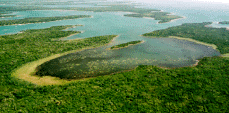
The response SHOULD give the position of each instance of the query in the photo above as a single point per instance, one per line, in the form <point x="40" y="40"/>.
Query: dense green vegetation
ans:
<point x="198" y="31"/>
<point x="31" y="45"/>
<point x="145" y="89"/>
<point x="7" y="10"/>
<point x="110" y="8"/>
<point x="125" y="44"/>
<point x="6" y="16"/>
<point x="39" y="19"/>
<point x="138" y="12"/>
<point x="162" y="16"/>
<point x="224" y="22"/>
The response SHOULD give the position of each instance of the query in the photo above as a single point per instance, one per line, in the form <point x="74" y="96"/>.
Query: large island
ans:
<point x="163" y="17"/>
<point x="39" y="19"/>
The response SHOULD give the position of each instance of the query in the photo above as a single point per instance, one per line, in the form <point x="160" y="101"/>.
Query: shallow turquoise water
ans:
<point x="155" y="51"/>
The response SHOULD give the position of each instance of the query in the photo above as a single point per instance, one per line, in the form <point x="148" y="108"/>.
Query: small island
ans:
<point x="224" y="22"/>
<point x="39" y="19"/>
<point x="164" y="17"/>
<point x="126" y="44"/>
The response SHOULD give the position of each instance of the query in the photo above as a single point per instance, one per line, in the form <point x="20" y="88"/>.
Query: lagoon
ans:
<point x="163" y="52"/>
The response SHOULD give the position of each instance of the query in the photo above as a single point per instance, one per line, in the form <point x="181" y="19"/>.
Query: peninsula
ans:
<point x="39" y="19"/>
<point x="126" y="44"/>
<point x="164" y="17"/>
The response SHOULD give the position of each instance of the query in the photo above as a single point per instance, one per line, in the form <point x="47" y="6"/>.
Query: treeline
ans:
<point x="139" y="12"/>
<point x="6" y="16"/>
<point x="224" y="22"/>
<point x="31" y="45"/>
<point x="197" y="31"/>
<point x="145" y="89"/>
<point x="39" y="19"/>
<point x="125" y="44"/>
<point x="162" y="16"/>
<point x="110" y="8"/>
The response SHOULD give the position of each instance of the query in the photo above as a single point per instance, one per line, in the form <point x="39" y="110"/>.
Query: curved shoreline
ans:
<point x="126" y="46"/>
<point x="196" y="41"/>
<point x="213" y="46"/>
<point x="26" y="71"/>
<point x="45" y="21"/>
<point x="187" y="39"/>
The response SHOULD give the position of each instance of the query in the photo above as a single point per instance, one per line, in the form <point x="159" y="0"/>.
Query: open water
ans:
<point x="163" y="52"/>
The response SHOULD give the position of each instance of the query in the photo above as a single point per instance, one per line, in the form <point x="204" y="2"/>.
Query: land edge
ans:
<point x="213" y="46"/>
<point x="188" y="39"/>
<point x="209" y="25"/>
<point x="26" y="71"/>
<point x="63" y="38"/>
<point x="183" y="17"/>
<point x="47" y="21"/>
<point x="125" y="46"/>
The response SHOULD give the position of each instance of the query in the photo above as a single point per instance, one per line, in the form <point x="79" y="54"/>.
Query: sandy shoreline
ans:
<point x="196" y="41"/>
<point x="183" y="17"/>
<point x="45" y="22"/>
<point x="126" y="46"/>
<point x="26" y="71"/>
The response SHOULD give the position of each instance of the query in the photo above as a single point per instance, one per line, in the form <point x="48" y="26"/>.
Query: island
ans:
<point x="40" y="19"/>
<point x="126" y="44"/>
<point x="164" y="17"/>
<point x="201" y="88"/>
<point x="224" y="22"/>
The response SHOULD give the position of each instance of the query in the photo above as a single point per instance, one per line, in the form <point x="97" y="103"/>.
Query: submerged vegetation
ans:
<point x="39" y="19"/>
<point x="203" y="88"/>
<point x="224" y="22"/>
<point x="138" y="12"/>
<point x="126" y="44"/>
<point x="198" y="31"/>
<point x="31" y="45"/>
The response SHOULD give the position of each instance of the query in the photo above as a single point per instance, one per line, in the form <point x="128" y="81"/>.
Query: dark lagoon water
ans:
<point x="165" y="52"/>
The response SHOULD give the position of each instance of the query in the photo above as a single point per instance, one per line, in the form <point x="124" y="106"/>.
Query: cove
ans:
<point x="161" y="52"/>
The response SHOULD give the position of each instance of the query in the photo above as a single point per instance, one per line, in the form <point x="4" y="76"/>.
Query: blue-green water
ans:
<point x="155" y="51"/>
